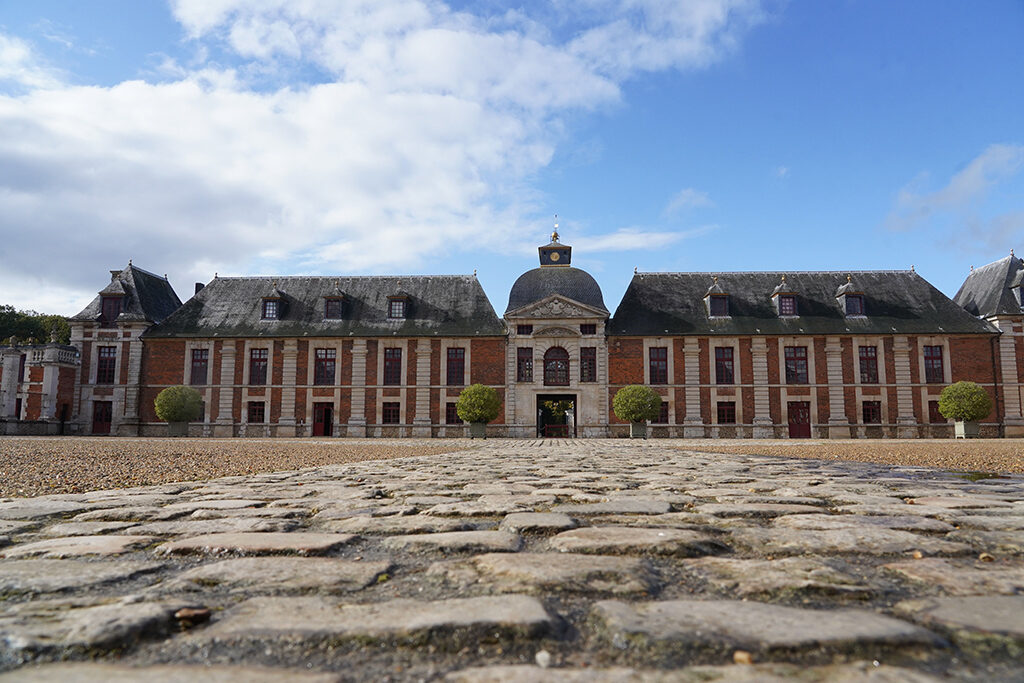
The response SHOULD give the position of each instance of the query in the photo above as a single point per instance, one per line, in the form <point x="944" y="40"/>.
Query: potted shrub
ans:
<point x="636" y="404"/>
<point x="177" y="406"/>
<point x="966" y="403"/>
<point x="478" y="405"/>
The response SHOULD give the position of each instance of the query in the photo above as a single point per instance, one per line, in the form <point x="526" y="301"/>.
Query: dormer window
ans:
<point x="333" y="308"/>
<point x="784" y="298"/>
<point x="396" y="308"/>
<point x="787" y="305"/>
<point x="854" y="304"/>
<point x="718" y="305"/>
<point x="271" y="309"/>
<point x="111" y="308"/>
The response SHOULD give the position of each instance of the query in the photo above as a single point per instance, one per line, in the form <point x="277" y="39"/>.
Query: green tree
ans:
<point x="178" y="404"/>
<point x="31" y="327"/>
<point x="636" y="403"/>
<point x="478" y="403"/>
<point x="964" y="402"/>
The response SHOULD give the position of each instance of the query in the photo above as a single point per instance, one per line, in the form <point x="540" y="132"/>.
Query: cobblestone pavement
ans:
<point x="523" y="561"/>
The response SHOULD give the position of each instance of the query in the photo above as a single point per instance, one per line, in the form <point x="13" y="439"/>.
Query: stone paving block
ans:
<point x="52" y="576"/>
<point x="865" y="540"/>
<point x="626" y="540"/>
<point x="406" y="524"/>
<point x="270" y="575"/>
<point x="559" y="572"/>
<point x="537" y="522"/>
<point x="39" y="508"/>
<point x="457" y="541"/>
<point x="903" y="523"/>
<point x="722" y="626"/>
<point x="678" y="520"/>
<point x="96" y="672"/>
<point x="994" y="542"/>
<point x="227" y="525"/>
<point x="618" y="506"/>
<point x="960" y="503"/>
<point x="215" y="504"/>
<point x="84" y="528"/>
<point x="298" y="543"/>
<point x="777" y="578"/>
<point x="72" y="546"/>
<point x="479" y="508"/>
<point x="402" y="622"/>
<point x="980" y="625"/>
<point x="54" y="626"/>
<point x="129" y="514"/>
<point x="7" y="528"/>
<point x="987" y="522"/>
<point x="755" y="509"/>
<point x="962" y="577"/>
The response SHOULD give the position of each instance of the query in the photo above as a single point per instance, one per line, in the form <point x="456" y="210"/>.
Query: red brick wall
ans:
<point x="625" y="362"/>
<point x="488" y="361"/>
<point x="163" y="361"/>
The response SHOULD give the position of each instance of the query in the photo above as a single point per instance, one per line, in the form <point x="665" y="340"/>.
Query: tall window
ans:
<point x="257" y="412"/>
<point x="332" y="309"/>
<point x="391" y="413"/>
<point x="324" y="362"/>
<point x="456" y="367"/>
<point x="723" y="365"/>
<point x="111" y="308"/>
<point x="871" y="412"/>
<point x="787" y="304"/>
<point x="588" y="364"/>
<point x="934" y="416"/>
<point x="556" y="367"/>
<point x="796" y="365"/>
<point x="719" y="304"/>
<point x="933" y="373"/>
<point x="854" y="304"/>
<point x="258" y="366"/>
<point x="726" y="412"/>
<point x="271" y="308"/>
<point x="659" y="364"/>
<point x="451" y="414"/>
<point x="588" y="328"/>
<point x="662" y="414"/>
<point x="396" y="308"/>
<point x="392" y="366"/>
<point x="869" y="364"/>
<point x="200" y="366"/>
<point x="106" y="358"/>
<point x="21" y="366"/>
<point x="524" y="365"/>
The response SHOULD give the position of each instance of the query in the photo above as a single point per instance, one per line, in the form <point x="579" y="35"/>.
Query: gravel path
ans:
<point x="975" y="455"/>
<point x="41" y="466"/>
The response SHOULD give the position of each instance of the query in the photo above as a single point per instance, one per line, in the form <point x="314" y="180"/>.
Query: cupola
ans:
<point x="555" y="253"/>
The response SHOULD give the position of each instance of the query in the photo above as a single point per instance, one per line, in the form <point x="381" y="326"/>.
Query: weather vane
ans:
<point x="554" y="234"/>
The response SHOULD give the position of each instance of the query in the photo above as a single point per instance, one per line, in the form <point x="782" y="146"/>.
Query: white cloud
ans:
<point x="421" y="125"/>
<point x="964" y="191"/>
<point x="638" y="239"/>
<point x="687" y="198"/>
<point x="781" y="171"/>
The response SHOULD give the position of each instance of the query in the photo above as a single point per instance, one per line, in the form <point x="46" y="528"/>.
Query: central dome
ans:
<point x="540" y="283"/>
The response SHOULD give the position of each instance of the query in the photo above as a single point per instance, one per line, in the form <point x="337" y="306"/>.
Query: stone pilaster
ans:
<point x="286" y="425"/>
<point x="421" y="421"/>
<point x="763" y="427"/>
<point x="357" y="418"/>
<point x="1012" y="416"/>
<point x="133" y="383"/>
<point x="11" y="357"/>
<point x="693" y="425"/>
<point x="906" y="423"/>
<point x="838" y="423"/>
<point x="225" y="426"/>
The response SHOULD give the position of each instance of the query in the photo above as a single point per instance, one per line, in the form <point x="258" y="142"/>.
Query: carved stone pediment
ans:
<point x="556" y="307"/>
<point x="555" y="331"/>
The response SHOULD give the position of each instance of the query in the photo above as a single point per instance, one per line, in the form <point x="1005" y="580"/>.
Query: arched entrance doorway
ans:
<point x="556" y="415"/>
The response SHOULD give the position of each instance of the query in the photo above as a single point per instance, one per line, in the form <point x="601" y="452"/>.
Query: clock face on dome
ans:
<point x="555" y="256"/>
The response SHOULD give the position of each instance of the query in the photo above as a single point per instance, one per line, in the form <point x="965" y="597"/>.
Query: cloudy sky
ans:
<point x="421" y="136"/>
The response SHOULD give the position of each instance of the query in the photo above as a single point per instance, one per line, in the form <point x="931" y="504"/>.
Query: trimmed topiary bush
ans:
<point x="964" y="402"/>
<point x="478" y="404"/>
<point x="636" y="403"/>
<point x="178" y="404"/>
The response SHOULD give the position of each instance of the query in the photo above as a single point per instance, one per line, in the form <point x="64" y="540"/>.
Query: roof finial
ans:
<point x="783" y="277"/>
<point x="474" y="272"/>
<point x="214" y="275"/>
<point x="849" y="278"/>
<point x="912" y="268"/>
<point x="972" y="269"/>
<point x="130" y="261"/>
<point x="634" y="270"/>
<point x="554" y="233"/>
<point x="1011" y="253"/>
<point x="716" y="279"/>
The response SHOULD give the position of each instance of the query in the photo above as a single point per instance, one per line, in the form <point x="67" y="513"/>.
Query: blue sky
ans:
<point x="418" y="136"/>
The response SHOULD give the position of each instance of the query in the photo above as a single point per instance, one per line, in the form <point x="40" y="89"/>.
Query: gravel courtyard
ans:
<point x="603" y="560"/>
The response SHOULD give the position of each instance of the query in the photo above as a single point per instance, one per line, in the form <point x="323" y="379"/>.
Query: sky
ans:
<point x="349" y="137"/>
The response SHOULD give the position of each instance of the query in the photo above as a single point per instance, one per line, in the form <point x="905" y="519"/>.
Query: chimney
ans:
<point x="199" y="287"/>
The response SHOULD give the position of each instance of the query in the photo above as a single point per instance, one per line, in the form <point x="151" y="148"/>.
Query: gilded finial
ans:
<point x="783" y="278"/>
<point x="716" y="279"/>
<point x="554" y="233"/>
<point x="849" y="278"/>
<point x="214" y="275"/>
<point x="474" y="272"/>
<point x="130" y="261"/>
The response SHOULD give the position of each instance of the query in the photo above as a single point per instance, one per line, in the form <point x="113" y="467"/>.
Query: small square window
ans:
<point x="719" y="304"/>
<point x="451" y="414"/>
<point x="588" y="328"/>
<point x="524" y="330"/>
<point x="332" y="309"/>
<point x="662" y="414"/>
<point x="396" y="308"/>
<point x="787" y="304"/>
<point x="871" y="412"/>
<point x="391" y="413"/>
<point x="854" y="304"/>
<point x="934" y="416"/>
<point x="726" y="412"/>
<point x="270" y="309"/>
<point x="257" y="412"/>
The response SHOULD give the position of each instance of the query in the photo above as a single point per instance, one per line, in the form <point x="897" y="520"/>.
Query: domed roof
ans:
<point x="540" y="283"/>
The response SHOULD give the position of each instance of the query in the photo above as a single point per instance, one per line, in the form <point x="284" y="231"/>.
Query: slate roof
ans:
<point x="147" y="297"/>
<point x="895" y="302"/>
<point x="437" y="305"/>
<point x="540" y="283"/>
<point x="986" y="291"/>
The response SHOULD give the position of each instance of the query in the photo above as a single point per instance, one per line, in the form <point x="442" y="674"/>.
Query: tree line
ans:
<point x="31" y="327"/>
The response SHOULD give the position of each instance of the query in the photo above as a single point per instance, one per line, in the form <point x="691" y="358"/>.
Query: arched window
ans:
<point x="556" y="367"/>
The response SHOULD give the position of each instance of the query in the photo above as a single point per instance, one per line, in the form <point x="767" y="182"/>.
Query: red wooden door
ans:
<point x="323" y="417"/>
<point x="102" y="412"/>
<point x="799" y="420"/>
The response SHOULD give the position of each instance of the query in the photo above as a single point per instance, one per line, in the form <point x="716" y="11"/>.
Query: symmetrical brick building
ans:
<point x="802" y="354"/>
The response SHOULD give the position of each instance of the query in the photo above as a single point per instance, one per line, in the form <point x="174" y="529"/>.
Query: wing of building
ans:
<point x="759" y="354"/>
